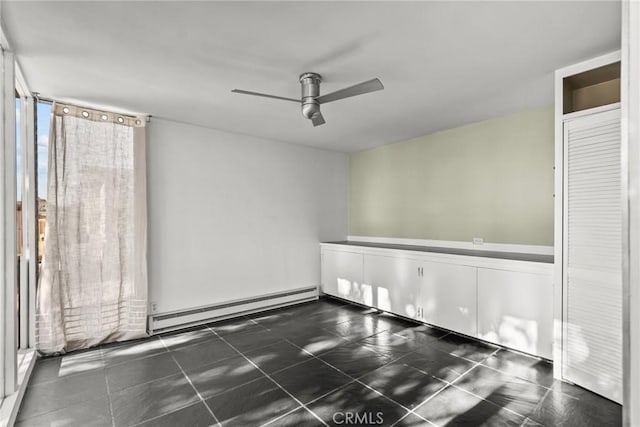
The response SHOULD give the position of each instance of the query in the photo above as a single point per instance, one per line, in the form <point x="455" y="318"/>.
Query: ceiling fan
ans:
<point x="311" y="99"/>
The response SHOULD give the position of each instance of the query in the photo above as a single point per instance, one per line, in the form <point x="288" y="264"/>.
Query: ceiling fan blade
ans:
<point x="359" y="89"/>
<point x="246" y="92"/>
<point x="318" y="120"/>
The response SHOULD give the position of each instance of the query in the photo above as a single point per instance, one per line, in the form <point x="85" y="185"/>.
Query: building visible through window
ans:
<point x="43" y="121"/>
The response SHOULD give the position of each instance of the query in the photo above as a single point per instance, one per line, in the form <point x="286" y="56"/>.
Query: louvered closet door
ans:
<point x="592" y="264"/>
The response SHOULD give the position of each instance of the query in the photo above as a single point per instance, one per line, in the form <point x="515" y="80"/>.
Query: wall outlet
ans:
<point x="478" y="241"/>
<point x="154" y="307"/>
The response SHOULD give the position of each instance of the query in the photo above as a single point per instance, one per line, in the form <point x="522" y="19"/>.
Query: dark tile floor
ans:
<point x="319" y="363"/>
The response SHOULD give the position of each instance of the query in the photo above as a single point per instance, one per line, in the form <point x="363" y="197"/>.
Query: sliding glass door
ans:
<point x="26" y="220"/>
<point x="20" y="244"/>
<point x="18" y="222"/>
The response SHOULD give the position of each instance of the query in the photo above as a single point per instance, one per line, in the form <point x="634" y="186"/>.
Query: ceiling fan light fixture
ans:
<point x="310" y="108"/>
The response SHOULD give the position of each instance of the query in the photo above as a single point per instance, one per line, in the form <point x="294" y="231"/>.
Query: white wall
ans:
<point x="233" y="216"/>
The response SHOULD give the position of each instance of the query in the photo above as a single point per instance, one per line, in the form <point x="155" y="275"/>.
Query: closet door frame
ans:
<point x="558" y="294"/>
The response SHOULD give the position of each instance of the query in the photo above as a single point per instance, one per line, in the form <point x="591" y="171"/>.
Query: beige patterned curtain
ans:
<point x="93" y="278"/>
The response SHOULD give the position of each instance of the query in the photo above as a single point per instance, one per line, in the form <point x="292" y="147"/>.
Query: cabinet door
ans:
<point x="447" y="296"/>
<point x="342" y="276"/>
<point x="516" y="310"/>
<point x="393" y="283"/>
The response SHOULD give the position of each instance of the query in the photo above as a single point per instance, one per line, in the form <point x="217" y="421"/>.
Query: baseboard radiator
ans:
<point x="164" y="322"/>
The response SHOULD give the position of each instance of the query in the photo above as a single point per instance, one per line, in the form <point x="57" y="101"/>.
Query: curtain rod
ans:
<point x="39" y="98"/>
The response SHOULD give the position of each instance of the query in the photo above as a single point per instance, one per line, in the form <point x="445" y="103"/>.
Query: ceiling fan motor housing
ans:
<point x="310" y="83"/>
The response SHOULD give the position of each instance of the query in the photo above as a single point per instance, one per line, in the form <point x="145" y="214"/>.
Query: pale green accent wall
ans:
<point x="491" y="179"/>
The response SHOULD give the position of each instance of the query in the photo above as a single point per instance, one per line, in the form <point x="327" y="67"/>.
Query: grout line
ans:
<point x="516" y="376"/>
<point x="269" y="377"/>
<point x="30" y="386"/>
<point x="418" y="415"/>
<point x="279" y="417"/>
<point x="87" y="372"/>
<point x="476" y="364"/>
<point x="106" y="381"/>
<point x="315" y="312"/>
<point x="113" y="420"/>
<point x="193" y="387"/>
<point x="537" y="406"/>
<point x="188" y="405"/>
<point x="488" y="401"/>
<point x="289" y="366"/>
<point x="347" y="342"/>
<point x="548" y="390"/>
<point x="448" y="384"/>
<point x="133" y="359"/>
<point x="392" y="359"/>
<point x="75" y="374"/>
<point x="147" y="382"/>
<point x="355" y="379"/>
<point x="152" y="380"/>
<point x="452" y="383"/>
<point x="185" y="346"/>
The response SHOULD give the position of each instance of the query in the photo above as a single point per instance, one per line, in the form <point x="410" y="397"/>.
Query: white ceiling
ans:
<point x="443" y="64"/>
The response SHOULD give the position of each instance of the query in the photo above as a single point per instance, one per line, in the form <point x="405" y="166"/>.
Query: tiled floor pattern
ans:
<point x="319" y="363"/>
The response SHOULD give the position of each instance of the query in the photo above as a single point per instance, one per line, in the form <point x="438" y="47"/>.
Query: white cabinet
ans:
<point x="447" y="296"/>
<point x="515" y="309"/>
<point x="437" y="293"/>
<point x="498" y="300"/>
<point x="394" y="283"/>
<point x="342" y="276"/>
